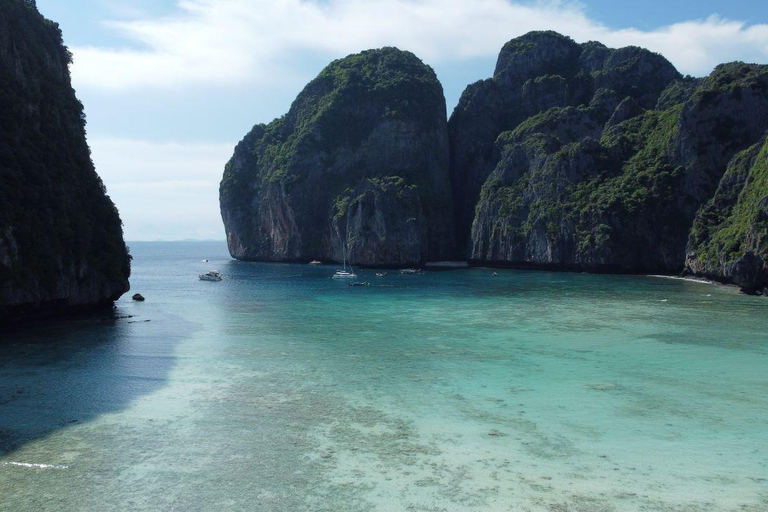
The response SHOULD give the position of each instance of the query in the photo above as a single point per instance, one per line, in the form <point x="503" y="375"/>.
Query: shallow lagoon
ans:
<point x="279" y="389"/>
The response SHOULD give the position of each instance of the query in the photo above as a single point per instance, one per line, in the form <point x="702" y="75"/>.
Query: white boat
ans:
<point x="213" y="275"/>
<point x="344" y="273"/>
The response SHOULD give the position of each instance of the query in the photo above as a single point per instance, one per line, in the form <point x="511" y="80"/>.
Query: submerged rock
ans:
<point x="359" y="164"/>
<point x="138" y="297"/>
<point x="61" y="240"/>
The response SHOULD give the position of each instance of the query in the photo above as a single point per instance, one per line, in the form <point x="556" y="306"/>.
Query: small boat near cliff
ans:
<point x="213" y="275"/>
<point x="344" y="273"/>
<point x="410" y="270"/>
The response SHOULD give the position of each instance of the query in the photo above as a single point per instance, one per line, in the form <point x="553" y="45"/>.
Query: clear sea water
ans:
<point x="279" y="389"/>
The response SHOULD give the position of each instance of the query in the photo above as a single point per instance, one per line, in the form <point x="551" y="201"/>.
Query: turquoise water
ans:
<point x="279" y="389"/>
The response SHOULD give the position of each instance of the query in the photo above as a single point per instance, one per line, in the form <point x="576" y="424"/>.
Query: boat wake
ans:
<point x="35" y="466"/>
<point x="689" y="279"/>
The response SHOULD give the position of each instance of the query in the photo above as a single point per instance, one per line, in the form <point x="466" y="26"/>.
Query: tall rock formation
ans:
<point x="583" y="157"/>
<point x="534" y="73"/>
<point x="61" y="243"/>
<point x="572" y="156"/>
<point x="729" y="240"/>
<point x="359" y="163"/>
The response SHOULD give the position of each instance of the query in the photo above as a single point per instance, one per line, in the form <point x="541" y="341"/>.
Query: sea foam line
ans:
<point x="36" y="466"/>
<point x="689" y="279"/>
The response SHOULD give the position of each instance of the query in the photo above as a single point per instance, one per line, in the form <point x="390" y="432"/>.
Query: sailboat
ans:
<point x="344" y="273"/>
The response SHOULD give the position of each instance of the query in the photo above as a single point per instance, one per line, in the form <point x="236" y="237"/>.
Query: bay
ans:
<point x="281" y="389"/>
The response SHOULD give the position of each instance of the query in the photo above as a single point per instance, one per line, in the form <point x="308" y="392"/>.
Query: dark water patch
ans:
<point x="69" y="372"/>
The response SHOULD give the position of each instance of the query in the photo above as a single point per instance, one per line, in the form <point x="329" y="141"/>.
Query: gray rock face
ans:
<point x="360" y="160"/>
<point x="613" y="180"/>
<point x="573" y="156"/>
<point x="535" y="170"/>
<point x="536" y="72"/>
<point x="729" y="239"/>
<point x="384" y="222"/>
<point x="61" y="244"/>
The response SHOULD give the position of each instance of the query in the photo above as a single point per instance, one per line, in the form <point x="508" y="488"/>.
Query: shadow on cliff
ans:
<point x="65" y="373"/>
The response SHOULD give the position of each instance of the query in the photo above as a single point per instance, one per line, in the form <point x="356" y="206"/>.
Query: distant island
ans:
<point x="571" y="157"/>
<point x="61" y="238"/>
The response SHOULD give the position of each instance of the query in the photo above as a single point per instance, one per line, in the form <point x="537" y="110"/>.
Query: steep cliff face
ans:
<point x="385" y="220"/>
<point x="729" y="240"/>
<point x="534" y="73"/>
<point x="360" y="160"/>
<point x="614" y="182"/>
<point x="573" y="156"/>
<point x="61" y="244"/>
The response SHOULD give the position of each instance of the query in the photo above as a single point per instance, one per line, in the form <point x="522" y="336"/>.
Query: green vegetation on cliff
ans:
<point x="730" y="234"/>
<point x="644" y="180"/>
<point x="542" y="79"/>
<point x="370" y="116"/>
<point x="612" y="177"/>
<point x="397" y="84"/>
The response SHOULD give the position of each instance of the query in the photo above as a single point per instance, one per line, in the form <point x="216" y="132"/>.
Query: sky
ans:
<point x="170" y="86"/>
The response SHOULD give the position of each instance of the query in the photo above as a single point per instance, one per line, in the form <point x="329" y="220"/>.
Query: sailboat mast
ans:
<point x="344" y="251"/>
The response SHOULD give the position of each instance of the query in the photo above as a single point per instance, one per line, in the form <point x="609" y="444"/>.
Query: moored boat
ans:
<point x="344" y="273"/>
<point x="213" y="275"/>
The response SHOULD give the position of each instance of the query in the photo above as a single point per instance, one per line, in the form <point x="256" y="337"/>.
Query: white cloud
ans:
<point x="236" y="41"/>
<point x="128" y="160"/>
<point x="163" y="191"/>
<point x="170" y="191"/>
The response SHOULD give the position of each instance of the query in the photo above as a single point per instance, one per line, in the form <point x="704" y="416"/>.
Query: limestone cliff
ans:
<point x="729" y="240"/>
<point x="360" y="160"/>
<point x="605" y="167"/>
<point x="572" y="156"/>
<point x="534" y="73"/>
<point x="61" y="245"/>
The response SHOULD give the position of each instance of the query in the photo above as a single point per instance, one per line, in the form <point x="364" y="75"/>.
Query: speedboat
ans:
<point x="381" y="274"/>
<point x="213" y="275"/>
<point x="315" y="262"/>
<point x="410" y="270"/>
<point x="358" y="283"/>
